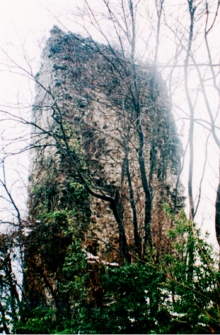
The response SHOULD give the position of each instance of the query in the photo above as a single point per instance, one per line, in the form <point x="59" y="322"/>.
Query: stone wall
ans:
<point x="88" y="87"/>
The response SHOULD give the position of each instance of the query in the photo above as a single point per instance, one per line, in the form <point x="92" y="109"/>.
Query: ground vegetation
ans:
<point x="137" y="283"/>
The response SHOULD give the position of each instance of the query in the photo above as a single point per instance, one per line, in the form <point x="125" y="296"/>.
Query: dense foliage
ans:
<point x="173" y="293"/>
<point x="179" y="293"/>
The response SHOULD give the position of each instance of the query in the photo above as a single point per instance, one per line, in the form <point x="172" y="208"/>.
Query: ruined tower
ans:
<point x="105" y="158"/>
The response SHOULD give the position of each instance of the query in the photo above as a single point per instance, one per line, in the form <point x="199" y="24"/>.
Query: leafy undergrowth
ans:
<point x="177" y="293"/>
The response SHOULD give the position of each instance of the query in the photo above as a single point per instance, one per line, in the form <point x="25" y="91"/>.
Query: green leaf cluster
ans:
<point x="177" y="293"/>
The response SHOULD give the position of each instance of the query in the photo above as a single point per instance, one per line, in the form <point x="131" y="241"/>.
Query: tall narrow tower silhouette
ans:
<point x="105" y="159"/>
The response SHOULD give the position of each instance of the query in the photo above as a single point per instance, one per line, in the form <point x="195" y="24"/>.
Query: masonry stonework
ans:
<point x="84" y="89"/>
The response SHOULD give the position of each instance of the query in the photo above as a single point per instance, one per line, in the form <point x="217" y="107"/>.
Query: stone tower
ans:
<point x="105" y="150"/>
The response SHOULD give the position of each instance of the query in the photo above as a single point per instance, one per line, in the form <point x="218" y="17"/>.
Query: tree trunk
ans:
<point x="217" y="215"/>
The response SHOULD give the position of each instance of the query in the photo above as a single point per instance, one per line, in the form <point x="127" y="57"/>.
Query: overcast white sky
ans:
<point x="24" y="26"/>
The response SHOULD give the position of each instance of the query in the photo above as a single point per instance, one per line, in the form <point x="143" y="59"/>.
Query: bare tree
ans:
<point x="103" y="136"/>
